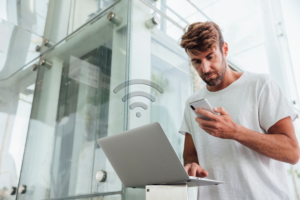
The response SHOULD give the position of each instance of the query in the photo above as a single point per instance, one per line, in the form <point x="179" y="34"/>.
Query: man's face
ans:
<point x="210" y="65"/>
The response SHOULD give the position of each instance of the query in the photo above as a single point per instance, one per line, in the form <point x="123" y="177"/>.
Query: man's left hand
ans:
<point x="221" y="126"/>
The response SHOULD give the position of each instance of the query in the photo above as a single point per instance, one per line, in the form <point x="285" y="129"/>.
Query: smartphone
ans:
<point x="203" y="104"/>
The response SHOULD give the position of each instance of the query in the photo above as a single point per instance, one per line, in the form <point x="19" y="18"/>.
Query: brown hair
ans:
<point x="202" y="36"/>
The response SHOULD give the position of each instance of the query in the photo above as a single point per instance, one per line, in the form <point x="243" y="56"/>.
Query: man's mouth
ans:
<point x="210" y="76"/>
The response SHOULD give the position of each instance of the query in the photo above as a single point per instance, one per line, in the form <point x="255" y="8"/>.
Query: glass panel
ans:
<point x="83" y="11"/>
<point x="170" y="70"/>
<point x="74" y="106"/>
<point x="31" y="15"/>
<point x="173" y="9"/>
<point x="15" y="42"/>
<point x="112" y="118"/>
<point x="22" y="26"/>
<point x="15" y="107"/>
<point x="163" y="62"/>
<point x="64" y="17"/>
<point x="28" y="14"/>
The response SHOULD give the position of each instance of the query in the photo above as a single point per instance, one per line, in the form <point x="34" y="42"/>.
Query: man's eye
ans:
<point x="209" y="58"/>
<point x="198" y="62"/>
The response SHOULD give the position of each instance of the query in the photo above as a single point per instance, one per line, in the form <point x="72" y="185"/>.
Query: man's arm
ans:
<point x="189" y="153"/>
<point x="190" y="157"/>
<point x="280" y="144"/>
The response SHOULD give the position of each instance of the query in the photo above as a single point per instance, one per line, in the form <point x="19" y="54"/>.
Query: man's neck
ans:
<point x="230" y="77"/>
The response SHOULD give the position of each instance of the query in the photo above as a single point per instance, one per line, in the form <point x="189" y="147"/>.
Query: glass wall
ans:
<point x="17" y="86"/>
<point x="73" y="107"/>
<point x="61" y="61"/>
<point x="74" y="102"/>
<point x="15" y="106"/>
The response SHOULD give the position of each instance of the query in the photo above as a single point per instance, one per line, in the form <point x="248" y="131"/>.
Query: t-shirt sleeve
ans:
<point x="185" y="124"/>
<point x="273" y="106"/>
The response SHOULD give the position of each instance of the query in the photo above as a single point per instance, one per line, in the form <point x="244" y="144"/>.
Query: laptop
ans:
<point x="144" y="156"/>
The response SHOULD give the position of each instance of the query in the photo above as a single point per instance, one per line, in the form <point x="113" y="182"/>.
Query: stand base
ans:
<point x="167" y="192"/>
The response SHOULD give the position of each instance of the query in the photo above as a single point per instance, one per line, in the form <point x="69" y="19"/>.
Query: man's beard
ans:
<point x="218" y="79"/>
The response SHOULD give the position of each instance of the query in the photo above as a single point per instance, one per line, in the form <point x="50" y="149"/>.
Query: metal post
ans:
<point x="167" y="192"/>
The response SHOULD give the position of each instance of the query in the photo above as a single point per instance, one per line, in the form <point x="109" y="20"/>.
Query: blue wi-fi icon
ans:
<point x="138" y="93"/>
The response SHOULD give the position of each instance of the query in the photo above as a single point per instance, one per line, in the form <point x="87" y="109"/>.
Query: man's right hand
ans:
<point x="193" y="169"/>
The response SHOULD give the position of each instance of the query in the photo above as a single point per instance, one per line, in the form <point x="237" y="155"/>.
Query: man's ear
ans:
<point x="225" y="49"/>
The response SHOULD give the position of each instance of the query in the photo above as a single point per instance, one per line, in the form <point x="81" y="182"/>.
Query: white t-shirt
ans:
<point x="256" y="102"/>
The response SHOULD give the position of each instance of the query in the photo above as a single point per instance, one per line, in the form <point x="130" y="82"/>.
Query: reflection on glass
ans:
<point x="27" y="14"/>
<point x="74" y="105"/>
<point x="82" y="118"/>
<point x="67" y="16"/>
<point x="15" y="107"/>
<point x="83" y="11"/>
<point x="171" y="71"/>
<point x="17" y="48"/>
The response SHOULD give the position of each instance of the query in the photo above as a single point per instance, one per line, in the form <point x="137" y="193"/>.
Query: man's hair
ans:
<point x="202" y="36"/>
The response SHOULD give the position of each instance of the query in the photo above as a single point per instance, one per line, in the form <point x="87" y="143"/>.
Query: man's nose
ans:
<point x="205" y="66"/>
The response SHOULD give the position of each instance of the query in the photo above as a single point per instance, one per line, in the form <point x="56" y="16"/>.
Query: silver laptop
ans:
<point x="144" y="156"/>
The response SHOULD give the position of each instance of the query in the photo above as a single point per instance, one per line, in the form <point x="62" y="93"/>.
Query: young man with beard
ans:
<point x="245" y="146"/>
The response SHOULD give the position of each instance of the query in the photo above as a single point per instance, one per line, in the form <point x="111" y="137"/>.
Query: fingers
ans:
<point x="202" y="173"/>
<point x="208" y="126"/>
<point x="206" y="123"/>
<point x="194" y="169"/>
<point x="206" y="113"/>
<point x="221" y="110"/>
<point x="210" y="131"/>
<point x="187" y="168"/>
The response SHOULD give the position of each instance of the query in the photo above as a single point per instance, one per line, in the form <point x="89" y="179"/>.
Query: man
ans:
<point x="246" y="144"/>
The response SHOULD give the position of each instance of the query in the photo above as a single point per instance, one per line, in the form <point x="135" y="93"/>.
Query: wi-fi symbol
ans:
<point x="138" y="93"/>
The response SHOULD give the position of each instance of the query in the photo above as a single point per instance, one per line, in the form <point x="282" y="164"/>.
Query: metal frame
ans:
<point x="162" y="14"/>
